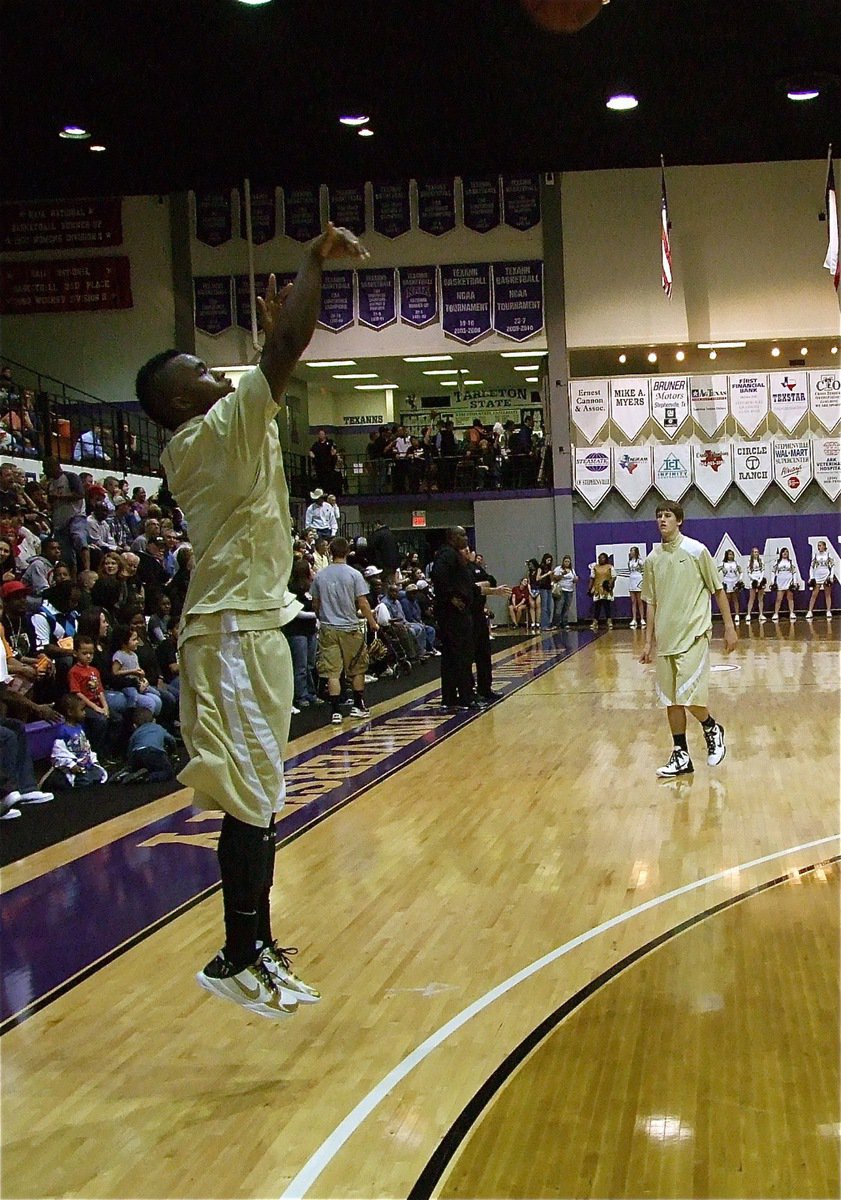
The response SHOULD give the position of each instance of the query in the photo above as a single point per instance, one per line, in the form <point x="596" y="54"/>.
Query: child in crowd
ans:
<point x="160" y="620"/>
<point x="758" y="584"/>
<point x="518" y="605"/>
<point x="563" y="587"/>
<point x="731" y="578"/>
<point x="75" y="764"/>
<point x="823" y="569"/>
<point x="84" y="681"/>
<point x="128" y="674"/>
<point x="635" y="564"/>
<point x="150" y="747"/>
<point x="785" y="581"/>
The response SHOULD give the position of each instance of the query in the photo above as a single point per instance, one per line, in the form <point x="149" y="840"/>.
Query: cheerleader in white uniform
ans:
<point x="823" y="572"/>
<point x="785" y="581"/>
<point x="758" y="583"/>
<point x="731" y="578"/>
<point x="635" y="587"/>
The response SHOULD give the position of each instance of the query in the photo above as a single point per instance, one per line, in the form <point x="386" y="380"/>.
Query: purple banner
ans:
<point x="336" y="300"/>
<point x="521" y="201"/>
<point x="377" y="297"/>
<point x="518" y="299"/>
<point x="213" y="309"/>
<point x="436" y="205"/>
<point x="242" y="298"/>
<point x="481" y="202"/>
<point x="418" y="296"/>
<point x="263" y="215"/>
<point x="347" y="208"/>
<point x="392" y="215"/>
<point x="301" y="213"/>
<point x="214" y="218"/>
<point x="466" y="301"/>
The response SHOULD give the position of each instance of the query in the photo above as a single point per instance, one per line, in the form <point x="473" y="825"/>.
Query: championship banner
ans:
<point x="346" y="206"/>
<point x="61" y="225"/>
<point x="793" y="467"/>
<point x="518" y="299"/>
<point x="418" y="296"/>
<point x="377" y="297"/>
<point x="466" y="301"/>
<point x="670" y="402"/>
<point x="632" y="473"/>
<point x="302" y="213"/>
<point x="754" y="468"/>
<point x="712" y="469"/>
<point x="521" y="201"/>
<point x="242" y="297"/>
<point x="825" y="397"/>
<point x="214" y="218"/>
<point x="392" y="214"/>
<point x="826" y="453"/>
<point x="263" y="215"/>
<point x="673" y="470"/>
<point x="789" y="398"/>
<point x="749" y="401"/>
<point x="480" y="195"/>
<point x="212" y="304"/>
<point x="65" y="285"/>
<point x="708" y="402"/>
<point x="336" y="300"/>
<point x="436" y="205"/>
<point x="591" y="475"/>
<point x="630" y="404"/>
<point x="589" y="405"/>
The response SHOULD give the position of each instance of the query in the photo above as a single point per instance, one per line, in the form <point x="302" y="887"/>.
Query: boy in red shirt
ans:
<point x="84" y="680"/>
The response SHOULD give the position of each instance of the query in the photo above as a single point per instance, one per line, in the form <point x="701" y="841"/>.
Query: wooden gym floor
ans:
<point x="545" y="973"/>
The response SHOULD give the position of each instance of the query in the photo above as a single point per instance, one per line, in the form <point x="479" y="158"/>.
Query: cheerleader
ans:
<point x="758" y="583"/>
<point x="635" y="587"/>
<point x="785" y="581"/>
<point x="731" y="578"/>
<point x="532" y="570"/>
<point x="823" y="571"/>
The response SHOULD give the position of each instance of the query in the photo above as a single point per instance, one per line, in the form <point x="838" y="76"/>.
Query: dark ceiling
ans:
<point x="191" y="93"/>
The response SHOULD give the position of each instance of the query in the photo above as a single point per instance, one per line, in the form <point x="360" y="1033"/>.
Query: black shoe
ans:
<point x="490" y="697"/>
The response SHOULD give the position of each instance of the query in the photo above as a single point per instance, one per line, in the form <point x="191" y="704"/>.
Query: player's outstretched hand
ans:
<point x="337" y="242"/>
<point x="271" y="306"/>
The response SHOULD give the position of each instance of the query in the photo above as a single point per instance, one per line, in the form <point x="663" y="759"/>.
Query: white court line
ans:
<point x="327" y="1151"/>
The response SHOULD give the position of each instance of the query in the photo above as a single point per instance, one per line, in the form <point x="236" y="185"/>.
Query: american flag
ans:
<point x="665" y="246"/>
<point x="832" y="261"/>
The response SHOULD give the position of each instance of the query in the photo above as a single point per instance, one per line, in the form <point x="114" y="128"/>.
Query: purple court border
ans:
<point x="58" y="929"/>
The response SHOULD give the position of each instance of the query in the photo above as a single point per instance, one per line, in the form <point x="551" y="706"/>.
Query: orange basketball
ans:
<point x="562" y="16"/>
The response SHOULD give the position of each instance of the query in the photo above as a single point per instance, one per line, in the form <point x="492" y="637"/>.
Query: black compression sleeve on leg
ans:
<point x="242" y="858"/>
<point x="264" y="914"/>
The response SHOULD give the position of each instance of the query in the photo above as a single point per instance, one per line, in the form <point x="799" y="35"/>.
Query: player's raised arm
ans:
<point x="289" y="315"/>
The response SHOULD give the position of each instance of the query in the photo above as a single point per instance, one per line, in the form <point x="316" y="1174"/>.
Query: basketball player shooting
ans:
<point x="224" y="465"/>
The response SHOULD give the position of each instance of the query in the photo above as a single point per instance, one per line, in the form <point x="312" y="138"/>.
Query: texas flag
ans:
<point x="831" y="262"/>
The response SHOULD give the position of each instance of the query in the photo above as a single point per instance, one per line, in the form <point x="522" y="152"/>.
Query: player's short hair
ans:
<point x="152" y="400"/>
<point x="339" y="547"/>
<point x="670" y="507"/>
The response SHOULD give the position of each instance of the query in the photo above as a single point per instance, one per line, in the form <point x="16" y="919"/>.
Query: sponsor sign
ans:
<point x="518" y="299"/>
<point x="466" y="301"/>
<point x="347" y="208"/>
<point x="521" y="201"/>
<point x="418" y="296"/>
<point x="481" y="202"/>
<point x="826" y="454"/>
<point x="436" y="205"/>
<point x="392" y="215"/>
<point x="708" y="402"/>
<point x="632" y="472"/>
<point x="672" y="470"/>
<point x="66" y="285"/>
<point x="213" y="308"/>
<point x="793" y="467"/>
<point x="302" y="213"/>
<point x="712" y="469"/>
<point x="336" y="300"/>
<point x="630" y="404"/>
<point x="377" y="297"/>
<point x="214" y="218"/>
<point x="749" y="401"/>
<point x="825" y="397"/>
<point x="591" y="475"/>
<point x="589" y="405"/>
<point x="753" y="468"/>
<point x="789" y="398"/>
<point x="61" y="224"/>
<point x="670" y="402"/>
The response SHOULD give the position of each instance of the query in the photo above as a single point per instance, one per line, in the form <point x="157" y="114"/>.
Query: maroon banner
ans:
<point x="214" y="218"/>
<point x="61" y="224"/>
<point x="68" y="285"/>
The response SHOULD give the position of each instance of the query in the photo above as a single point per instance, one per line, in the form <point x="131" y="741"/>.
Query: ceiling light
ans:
<point x="522" y="353"/>
<point x="254" y="3"/>
<point x="799" y="94"/>
<point x="375" y="387"/>
<point x="804" y="350"/>
<point x="623" y="358"/>
<point x="652" y="356"/>
<point x="74" y="133"/>
<point x="354" y="120"/>
<point x="530" y="367"/>
<point x="97" y="148"/>
<point x="532" y="379"/>
<point x="336" y="362"/>
<point x="464" y="370"/>
<point x="372" y="375"/>
<point x="429" y="358"/>
<point x="721" y="345"/>
<point x="473" y="381"/>
<point x="680" y="356"/>
<point x="622" y="102"/>
<point x="365" y="132"/>
<point x="833" y="350"/>
<point x="445" y="371"/>
<point x="775" y="351"/>
<point x="449" y="383"/>
<point x="713" y="355"/>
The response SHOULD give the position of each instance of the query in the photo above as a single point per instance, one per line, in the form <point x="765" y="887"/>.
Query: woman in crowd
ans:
<point x="518" y="604"/>
<point x="543" y="581"/>
<point x="8" y="562"/>
<point x="757" y="582"/>
<point x="731" y="578"/>
<point x="109" y="591"/>
<point x="532" y="570"/>
<point x="635" y="564"/>
<point x="176" y="589"/>
<point x="602" y="580"/>
<point x="785" y="581"/>
<point x="302" y="635"/>
<point x="564" y="580"/>
<point x="823" y="571"/>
